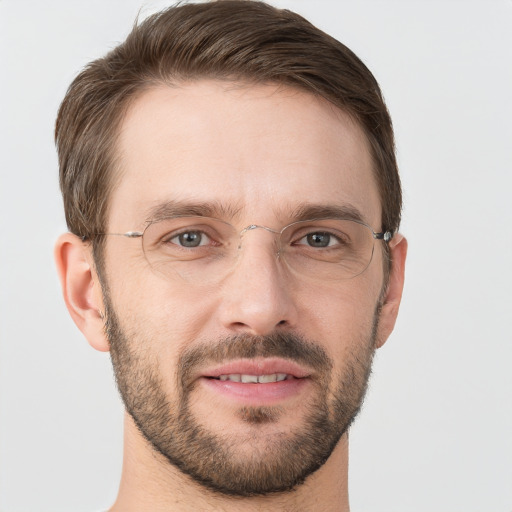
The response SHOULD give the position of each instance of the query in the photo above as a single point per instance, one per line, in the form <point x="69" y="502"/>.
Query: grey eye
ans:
<point x="319" y="239"/>
<point x="190" y="239"/>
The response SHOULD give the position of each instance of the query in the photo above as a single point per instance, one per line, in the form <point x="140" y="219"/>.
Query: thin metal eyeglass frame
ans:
<point x="386" y="236"/>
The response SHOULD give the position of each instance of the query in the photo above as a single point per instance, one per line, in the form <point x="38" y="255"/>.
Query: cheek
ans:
<point x="341" y="316"/>
<point x="159" y="316"/>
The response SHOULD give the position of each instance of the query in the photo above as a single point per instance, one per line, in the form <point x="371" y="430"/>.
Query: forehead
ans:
<point x="261" y="151"/>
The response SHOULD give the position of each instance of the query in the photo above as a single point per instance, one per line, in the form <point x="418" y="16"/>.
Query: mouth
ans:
<point x="257" y="382"/>
<point x="254" y="379"/>
<point x="268" y="369"/>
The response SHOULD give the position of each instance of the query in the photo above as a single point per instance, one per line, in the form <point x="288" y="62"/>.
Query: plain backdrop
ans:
<point x="435" y="434"/>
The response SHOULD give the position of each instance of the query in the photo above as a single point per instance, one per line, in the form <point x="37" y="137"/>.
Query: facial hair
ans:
<point x="274" y="463"/>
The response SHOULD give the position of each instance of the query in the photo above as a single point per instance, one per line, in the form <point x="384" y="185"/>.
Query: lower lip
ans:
<point x="271" y="393"/>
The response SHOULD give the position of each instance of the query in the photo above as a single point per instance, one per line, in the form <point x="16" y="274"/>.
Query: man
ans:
<point x="231" y="191"/>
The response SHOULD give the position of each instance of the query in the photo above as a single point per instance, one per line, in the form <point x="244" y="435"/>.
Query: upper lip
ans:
<point x="257" y="366"/>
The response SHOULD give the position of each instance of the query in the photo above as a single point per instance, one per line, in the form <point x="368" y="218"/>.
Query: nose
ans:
<point x="257" y="296"/>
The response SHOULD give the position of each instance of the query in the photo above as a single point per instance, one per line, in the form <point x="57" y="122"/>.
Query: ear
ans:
<point x="81" y="288"/>
<point x="393" y="295"/>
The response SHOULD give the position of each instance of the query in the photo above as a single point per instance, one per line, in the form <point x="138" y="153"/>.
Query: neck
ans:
<point x="150" y="482"/>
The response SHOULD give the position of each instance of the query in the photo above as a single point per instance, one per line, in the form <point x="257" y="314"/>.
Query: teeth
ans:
<point x="263" y="379"/>
<point x="246" y="379"/>
<point x="254" y="379"/>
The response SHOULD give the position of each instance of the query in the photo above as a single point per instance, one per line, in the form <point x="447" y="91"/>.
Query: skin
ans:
<point x="262" y="151"/>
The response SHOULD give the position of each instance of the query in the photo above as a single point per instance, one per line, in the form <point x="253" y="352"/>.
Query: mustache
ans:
<point x="247" y="346"/>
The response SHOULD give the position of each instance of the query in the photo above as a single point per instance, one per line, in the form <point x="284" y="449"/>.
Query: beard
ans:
<point x="257" y="462"/>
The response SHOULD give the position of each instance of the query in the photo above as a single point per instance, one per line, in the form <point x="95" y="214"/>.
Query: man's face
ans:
<point x="254" y="155"/>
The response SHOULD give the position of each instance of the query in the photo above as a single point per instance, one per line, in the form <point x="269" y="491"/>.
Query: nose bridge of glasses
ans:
<point x="253" y="227"/>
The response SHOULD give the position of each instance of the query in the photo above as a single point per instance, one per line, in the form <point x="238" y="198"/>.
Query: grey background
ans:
<point x="435" y="432"/>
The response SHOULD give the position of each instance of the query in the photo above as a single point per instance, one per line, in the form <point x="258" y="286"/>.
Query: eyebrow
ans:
<point x="309" y="211"/>
<point x="304" y="211"/>
<point x="177" y="208"/>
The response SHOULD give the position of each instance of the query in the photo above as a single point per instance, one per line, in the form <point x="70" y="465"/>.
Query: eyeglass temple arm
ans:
<point x="128" y="234"/>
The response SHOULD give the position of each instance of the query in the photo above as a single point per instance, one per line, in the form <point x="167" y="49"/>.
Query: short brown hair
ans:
<point x="226" y="40"/>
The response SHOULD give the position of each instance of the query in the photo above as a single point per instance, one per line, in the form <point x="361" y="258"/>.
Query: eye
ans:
<point x="319" y="239"/>
<point x="190" y="239"/>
